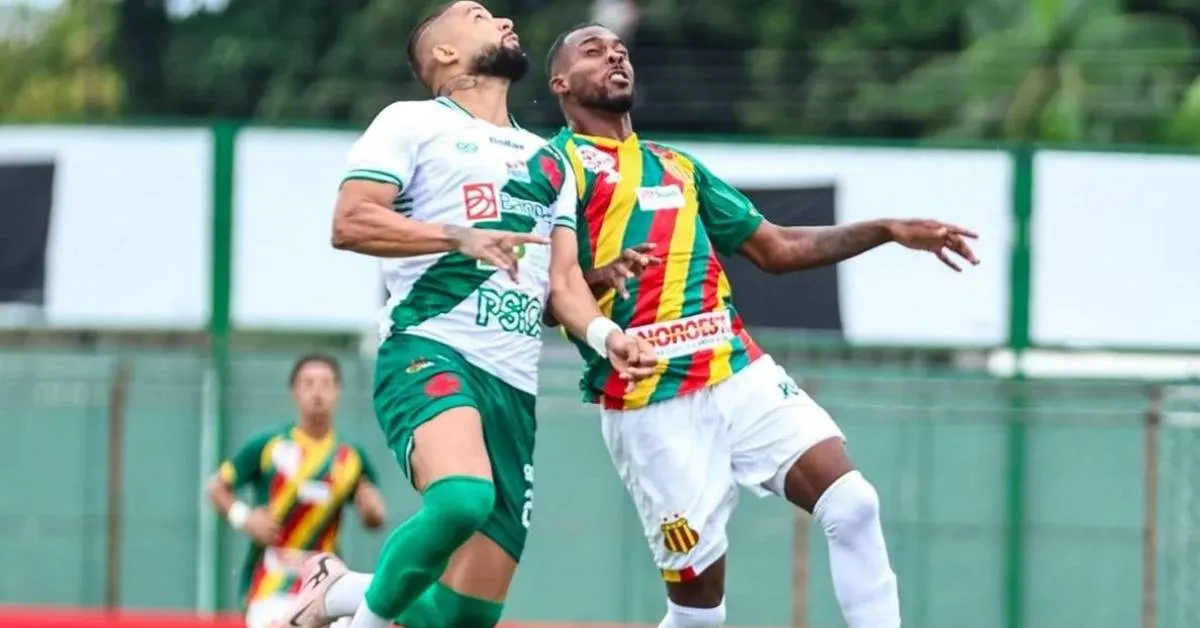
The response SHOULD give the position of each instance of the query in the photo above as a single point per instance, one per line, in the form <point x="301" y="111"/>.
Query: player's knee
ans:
<point x="849" y="506"/>
<point x="687" y="617"/>
<point x="460" y="504"/>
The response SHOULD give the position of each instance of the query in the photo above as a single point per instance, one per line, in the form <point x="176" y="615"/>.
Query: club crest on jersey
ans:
<point x="518" y="171"/>
<point x="599" y="162"/>
<point x="678" y="535"/>
<point x="479" y="201"/>
<point x="660" y="197"/>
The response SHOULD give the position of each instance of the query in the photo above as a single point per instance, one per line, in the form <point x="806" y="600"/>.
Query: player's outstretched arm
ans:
<point x="777" y="249"/>
<point x="572" y="304"/>
<point x="364" y="222"/>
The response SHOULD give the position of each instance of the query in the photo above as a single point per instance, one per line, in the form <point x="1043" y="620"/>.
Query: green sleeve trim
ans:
<point x="362" y="174"/>
<point x="565" y="221"/>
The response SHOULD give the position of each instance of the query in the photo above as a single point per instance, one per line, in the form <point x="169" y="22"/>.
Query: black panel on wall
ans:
<point x="26" y="198"/>
<point x="804" y="300"/>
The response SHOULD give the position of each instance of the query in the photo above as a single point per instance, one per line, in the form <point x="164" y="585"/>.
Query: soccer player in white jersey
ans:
<point x="461" y="203"/>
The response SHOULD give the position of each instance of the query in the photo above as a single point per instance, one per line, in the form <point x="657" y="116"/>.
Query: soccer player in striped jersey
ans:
<point x="303" y="474"/>
<point x="721" y="412"/>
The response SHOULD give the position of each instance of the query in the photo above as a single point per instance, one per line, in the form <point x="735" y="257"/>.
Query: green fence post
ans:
<point x="1020" y="270"/>
<point x="224" y="139"/>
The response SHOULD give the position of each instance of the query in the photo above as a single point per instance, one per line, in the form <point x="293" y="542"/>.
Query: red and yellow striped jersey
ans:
<point x="304" y="482"/>
<point x="632" y="192"/>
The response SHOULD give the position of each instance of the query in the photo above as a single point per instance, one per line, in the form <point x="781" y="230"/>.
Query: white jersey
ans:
<point x="453" y="168"/>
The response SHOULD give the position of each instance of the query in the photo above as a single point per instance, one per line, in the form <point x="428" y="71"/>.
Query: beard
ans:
<point x="604" y="100"/>
<point x="500" y="61"/>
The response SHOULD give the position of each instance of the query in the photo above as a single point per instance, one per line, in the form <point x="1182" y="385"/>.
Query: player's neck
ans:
<point x="602" y="124"/>
<point x="315" y="427"/>
<point x="485" y="97"/>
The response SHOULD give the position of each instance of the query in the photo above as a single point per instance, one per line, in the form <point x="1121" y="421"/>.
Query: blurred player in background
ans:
<point x="721" y="413"/>
<point x="460" y="203"/>
<point x="302" y="475"/>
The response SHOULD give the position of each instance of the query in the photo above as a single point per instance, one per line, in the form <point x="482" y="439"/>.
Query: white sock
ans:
<point x="346" y="595"/>
<point x="364" y="618"/>
<point x="685" y="617"/>
<point x="863" y="580"/>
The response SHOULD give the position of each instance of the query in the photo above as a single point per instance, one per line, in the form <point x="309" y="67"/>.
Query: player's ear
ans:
<point x="558" y="85"/>
<point x="445" y="54"/>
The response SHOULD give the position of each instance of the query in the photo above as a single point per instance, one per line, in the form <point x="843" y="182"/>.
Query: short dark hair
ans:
<point x="559" y="41"/>
<point x="414" y="61"/>
<point x="315" y="358"/>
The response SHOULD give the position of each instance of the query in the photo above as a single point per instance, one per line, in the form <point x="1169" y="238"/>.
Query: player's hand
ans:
<point x="262" y="527"/>
<point x="497" y="248"/>
<point x="632" y="357"/>
<point x="935" y="237"/>
<point x="632" y="262"/>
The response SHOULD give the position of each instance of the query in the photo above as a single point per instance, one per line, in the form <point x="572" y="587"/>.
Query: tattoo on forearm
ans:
<point x="822" y="246"/>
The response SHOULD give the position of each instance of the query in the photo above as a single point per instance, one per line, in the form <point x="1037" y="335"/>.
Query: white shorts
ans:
<point x="261" y="613"/>
<point x="683" y="459"/>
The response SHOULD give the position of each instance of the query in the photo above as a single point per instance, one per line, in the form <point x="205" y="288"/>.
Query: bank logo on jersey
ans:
<point x="467" y="147"/>
<point x="599" y="162"/>
<point x="479" y="200"/>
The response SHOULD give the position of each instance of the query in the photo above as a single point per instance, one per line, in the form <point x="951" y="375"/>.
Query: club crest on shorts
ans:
<point x="678" y="534"/>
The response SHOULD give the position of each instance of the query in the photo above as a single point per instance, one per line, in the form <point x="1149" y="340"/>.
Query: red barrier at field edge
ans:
<point x="22" y="617"/>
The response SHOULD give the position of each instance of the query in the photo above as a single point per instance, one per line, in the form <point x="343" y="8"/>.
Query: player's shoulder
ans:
<point x="268" y="434"/>
<point x="412" y="114"/>
<point x="663" y="150"/>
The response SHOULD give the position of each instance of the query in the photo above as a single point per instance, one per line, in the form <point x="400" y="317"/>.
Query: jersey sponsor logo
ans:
<point x="678" y="535"/>
<point x="417" y="365"/>
<point x="510" y="204"/>
<point x="499" y="141"/>
<point x="467" y="147"/>
<point x="518" y="171"/>
<point x="660" y="197"/>
<point x="479" y="199"/>
<point x="442" y="385"/>
<point x="518" y="252"/>
<point x="599" y="162"/>
<point x="510" y="310"/>
<point x="314" y="492"/>
<point x="672" y="339"/>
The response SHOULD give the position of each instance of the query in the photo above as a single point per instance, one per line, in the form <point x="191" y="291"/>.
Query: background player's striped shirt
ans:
<point x="633" y="192"/>
<point x="304" y="482"/>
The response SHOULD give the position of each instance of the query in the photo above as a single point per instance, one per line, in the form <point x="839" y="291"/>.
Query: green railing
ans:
<point x="1105" y="531"/>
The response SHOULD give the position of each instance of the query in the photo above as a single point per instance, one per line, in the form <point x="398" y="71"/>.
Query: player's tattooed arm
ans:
<point x="364" y="222"/>
<point x="777" y="249"/>
<point x="572" y="304"/>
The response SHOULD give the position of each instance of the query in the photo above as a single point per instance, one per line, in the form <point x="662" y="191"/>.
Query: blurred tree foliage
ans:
<point x="57" y="66"/>
<point x="1063" y="70"/>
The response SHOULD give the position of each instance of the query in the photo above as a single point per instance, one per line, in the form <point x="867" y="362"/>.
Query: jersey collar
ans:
<point x="449" y="103"/>
<point x="606" y="142"/>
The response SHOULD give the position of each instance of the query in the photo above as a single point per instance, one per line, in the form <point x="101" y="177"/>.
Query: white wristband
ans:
<point x="238" y="514"/>
<point x="597" y="334"/>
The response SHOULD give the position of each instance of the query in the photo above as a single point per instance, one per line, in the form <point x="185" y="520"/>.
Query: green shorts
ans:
<point x="417" y="379"/>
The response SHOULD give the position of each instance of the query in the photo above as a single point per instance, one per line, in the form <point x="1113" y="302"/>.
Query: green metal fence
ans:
<point x="1086" y="508"/>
